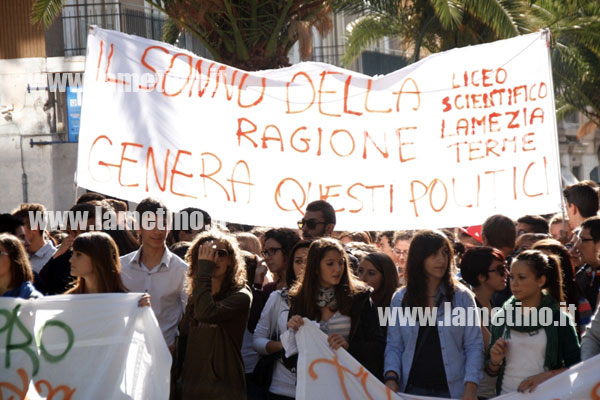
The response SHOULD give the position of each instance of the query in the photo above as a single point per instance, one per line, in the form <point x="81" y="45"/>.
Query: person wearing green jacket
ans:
<point x="532" y="338"/>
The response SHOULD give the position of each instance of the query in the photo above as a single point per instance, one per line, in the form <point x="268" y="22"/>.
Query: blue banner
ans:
<point x="73" y="111"/>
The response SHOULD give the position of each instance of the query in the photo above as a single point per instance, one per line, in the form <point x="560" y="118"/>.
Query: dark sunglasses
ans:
<point x="500" y="269"/>
<point x="310" y="223"/>
<point x="584" y="239"/>
<point x="270" y="252"/>
<point x="222" y="253"/>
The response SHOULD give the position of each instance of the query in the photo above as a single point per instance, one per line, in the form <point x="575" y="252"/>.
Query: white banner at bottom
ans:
<point x="82" y="347"/>
<point x="326" y="374"/>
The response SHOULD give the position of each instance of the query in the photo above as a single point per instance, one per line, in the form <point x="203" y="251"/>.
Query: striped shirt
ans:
<point x="338" y="323"/>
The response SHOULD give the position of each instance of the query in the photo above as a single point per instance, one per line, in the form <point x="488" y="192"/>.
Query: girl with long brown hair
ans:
<point x="16" y="276"/>
<point x="379" y="272"/>
<point x="96" y="265"/>
<point x="425" y="358"/>
<point x="215" y="319"/>
<point x="331" y="295"/>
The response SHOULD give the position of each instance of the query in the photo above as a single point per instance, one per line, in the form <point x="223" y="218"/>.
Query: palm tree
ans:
<point x="437" y="25"/>
<point x="432" y="25"/>
<point x="248" y="34"/>
<point x="575" y="28"/>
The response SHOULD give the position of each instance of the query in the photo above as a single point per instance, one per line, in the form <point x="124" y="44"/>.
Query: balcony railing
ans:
<point x="76" y="18"/>
<point x="127" y="18"/>
<point x="375" y="61"/>
<point x="329" y="54"/>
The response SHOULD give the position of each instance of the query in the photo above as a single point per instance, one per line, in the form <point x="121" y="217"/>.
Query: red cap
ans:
<point x="474" y="232"/>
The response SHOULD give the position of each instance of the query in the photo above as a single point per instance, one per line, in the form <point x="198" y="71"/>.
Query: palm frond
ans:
<point x="507" y="18"/>
<point x="366" y="31"/>
<point x="449" y="13"/>
<point x="562" y="110"/>
<point x="359" y="7"/>
<point x="170" y="32"/>
<point x="46" y="11"/>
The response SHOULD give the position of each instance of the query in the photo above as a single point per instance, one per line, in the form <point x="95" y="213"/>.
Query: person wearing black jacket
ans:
<point x="331" y="295"/>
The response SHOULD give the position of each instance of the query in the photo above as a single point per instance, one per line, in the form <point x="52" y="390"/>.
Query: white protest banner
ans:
<point x="448" y="141"/>
<point x="323" y="373"/>
<point x="581" y="381"/>
<point x="326" y="374"/>
<point x="82" y="347"/>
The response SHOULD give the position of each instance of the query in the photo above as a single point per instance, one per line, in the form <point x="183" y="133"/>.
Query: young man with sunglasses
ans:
<point x="588" y="246"/>
<point x="318" y="221"/>
<point x="155" y="270"/>
<point x="500" y="232"/>
<point x="485" y="270"/>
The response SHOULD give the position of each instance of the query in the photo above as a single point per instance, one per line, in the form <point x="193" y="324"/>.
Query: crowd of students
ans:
<point x="224" y="295"/>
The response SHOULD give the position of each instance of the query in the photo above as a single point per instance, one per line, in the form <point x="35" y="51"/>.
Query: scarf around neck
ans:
<point x="326" y="298"/>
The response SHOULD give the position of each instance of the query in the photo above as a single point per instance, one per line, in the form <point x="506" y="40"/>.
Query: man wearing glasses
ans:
<point x="588" y="245"/>
<point x="318" y="221"/>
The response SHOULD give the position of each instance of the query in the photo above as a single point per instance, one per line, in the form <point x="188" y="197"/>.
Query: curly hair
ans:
<point x="235" y="277"/>
<point x="287" y="239"/>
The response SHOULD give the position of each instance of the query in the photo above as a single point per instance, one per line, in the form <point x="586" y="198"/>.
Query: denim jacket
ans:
<point x="462" y="346"/>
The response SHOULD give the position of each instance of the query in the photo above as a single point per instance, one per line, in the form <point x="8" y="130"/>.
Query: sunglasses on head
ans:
<point x="309" y="223"/>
